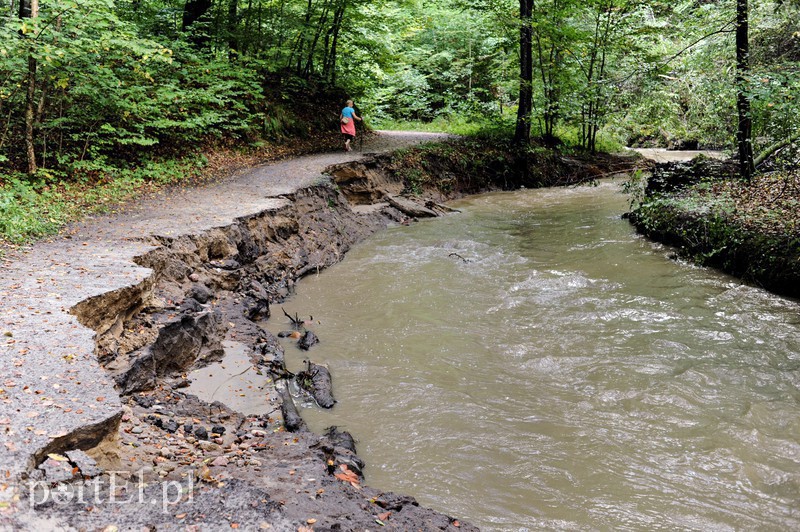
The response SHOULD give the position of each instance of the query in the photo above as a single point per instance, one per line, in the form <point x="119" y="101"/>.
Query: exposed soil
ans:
<point x="748" y="229"/>
<point x="219" y="261"/>
<point x="194" y="288"/>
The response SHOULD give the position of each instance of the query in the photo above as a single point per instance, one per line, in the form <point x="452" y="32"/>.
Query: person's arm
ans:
<point x="357" y="117"/>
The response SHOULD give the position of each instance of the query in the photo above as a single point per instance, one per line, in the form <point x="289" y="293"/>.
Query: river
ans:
<point x="532" y="363"/>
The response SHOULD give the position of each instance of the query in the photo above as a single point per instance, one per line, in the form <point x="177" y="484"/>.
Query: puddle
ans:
<point x="235" y="382"/>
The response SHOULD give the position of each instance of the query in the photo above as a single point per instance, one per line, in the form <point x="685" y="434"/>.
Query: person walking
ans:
<point x="346" y="118"/>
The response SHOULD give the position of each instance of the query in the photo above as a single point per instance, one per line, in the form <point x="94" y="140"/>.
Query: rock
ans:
<point x="394" y="502"/>
<point x="220" y="461"/>
<point x="170" y="426"/>
<point x="200" y="293"/>
<point x="307" y="340"/>
<point x="56" y="470"/>
<point x="137" y="430"/>
<point x="190" y="305"/>
<point x="227" y="264"/>
<point x="166" y="452"/>
<point x="208" y="446"/>
<point x="143" y="400"/>
<point x="155" y="420"/>
<point x="201" y="433"/>
<point x="218" y="429"/>
<point x="86" y="464"/>
<point x="194" y="277"/>
<point x="188" y="428"/>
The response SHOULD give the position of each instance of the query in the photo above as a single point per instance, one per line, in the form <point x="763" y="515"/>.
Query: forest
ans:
<point x="100" y="99"/>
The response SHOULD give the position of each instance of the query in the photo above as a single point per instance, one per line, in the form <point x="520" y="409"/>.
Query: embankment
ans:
<point x="749" y="230"/>
<point x="186" y="301"/>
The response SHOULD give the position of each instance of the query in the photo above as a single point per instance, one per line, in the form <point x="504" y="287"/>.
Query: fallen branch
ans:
<point x="459" y="256"/>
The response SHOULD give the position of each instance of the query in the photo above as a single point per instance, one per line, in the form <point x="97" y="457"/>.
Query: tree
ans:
<point x="522" y="134"/>
<point x="195" y="14"/>
<point x="745" y="125"/>
<point x="30" y="9"/>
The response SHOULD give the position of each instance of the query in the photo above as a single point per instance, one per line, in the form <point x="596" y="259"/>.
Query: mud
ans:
<point x="160" y="457"/>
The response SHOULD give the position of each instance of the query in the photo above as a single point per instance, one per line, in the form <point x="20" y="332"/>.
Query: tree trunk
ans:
<point x="30" y="9"/>
<point x="744" y="130"/>
<point x="329" y="67"/>
<point x="233" y="41"/>
<point x="522" y="135"/>
<point x="195" y="11"/>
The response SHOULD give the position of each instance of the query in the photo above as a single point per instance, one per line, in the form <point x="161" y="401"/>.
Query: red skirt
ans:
<point x="349" y="128"/>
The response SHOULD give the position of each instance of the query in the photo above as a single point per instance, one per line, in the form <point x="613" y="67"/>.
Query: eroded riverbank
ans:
<point x="189" y="293"/>
<point x="536" y="351"/>
<point x="160" y="293"/>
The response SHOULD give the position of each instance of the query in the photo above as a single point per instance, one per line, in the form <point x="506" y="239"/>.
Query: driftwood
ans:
<point x="316" y="380"/>
<point x="459" y="256"/>
<point x="307" y="340"/>
<point x="296" y="321"/>
<point x="292" y="420"/>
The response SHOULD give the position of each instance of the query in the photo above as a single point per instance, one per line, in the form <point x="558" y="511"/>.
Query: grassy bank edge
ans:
<point x="32" y="208"/>
<point x="749" y="230"/>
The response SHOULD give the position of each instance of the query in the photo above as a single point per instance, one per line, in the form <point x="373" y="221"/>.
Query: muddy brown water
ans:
<point x="531" y="363"/>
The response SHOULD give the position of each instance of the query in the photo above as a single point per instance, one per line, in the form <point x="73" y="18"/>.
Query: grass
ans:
<point x="35" y="207"/>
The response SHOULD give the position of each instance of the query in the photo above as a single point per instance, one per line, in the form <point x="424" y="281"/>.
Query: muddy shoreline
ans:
<point x="168" y="460"/>
<point x="156" y="456"/>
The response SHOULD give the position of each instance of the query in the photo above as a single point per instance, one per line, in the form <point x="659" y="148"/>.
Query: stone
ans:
<point x="307" y="340"/>
<point x="86" y="465"/>
<point x="218" y="429"/>
<point x="200" y="293"/>
<point x="143" y="400"/>
<point x="56" y="471"/>
<point x="220" y="461"/>
<point x="201" y="433"/>
<point x="208" y="446"/>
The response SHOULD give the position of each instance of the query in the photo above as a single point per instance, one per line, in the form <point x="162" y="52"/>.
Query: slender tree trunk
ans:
<point x="30" y="9"/>
<point x="30" y="115"/>
<point x="323" y="19"/>
<point x="744" y="130"/>
<point x="329" y="65"/>
<point x="195" y="11"/>
<point x="522" y="135"/>
<point x="233" y="41"/>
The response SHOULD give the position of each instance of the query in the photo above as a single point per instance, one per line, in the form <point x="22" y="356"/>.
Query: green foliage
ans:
<point x="31" y="207"/>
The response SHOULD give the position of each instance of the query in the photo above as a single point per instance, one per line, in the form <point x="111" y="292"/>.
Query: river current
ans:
<point x="532" y="363"/>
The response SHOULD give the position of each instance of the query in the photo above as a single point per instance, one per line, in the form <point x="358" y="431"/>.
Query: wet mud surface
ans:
<point x="108" y="331"/>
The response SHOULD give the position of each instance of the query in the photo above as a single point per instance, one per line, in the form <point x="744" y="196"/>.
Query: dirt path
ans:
<point x="54" y="395"/>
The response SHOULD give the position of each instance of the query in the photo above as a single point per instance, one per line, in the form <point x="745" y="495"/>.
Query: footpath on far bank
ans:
<point x="102" y="323"/>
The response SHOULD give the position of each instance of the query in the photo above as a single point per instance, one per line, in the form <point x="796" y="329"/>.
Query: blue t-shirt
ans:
<point x="347" y="112"/>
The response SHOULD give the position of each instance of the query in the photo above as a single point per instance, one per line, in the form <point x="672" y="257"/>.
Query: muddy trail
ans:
<point x="106" y="327"/>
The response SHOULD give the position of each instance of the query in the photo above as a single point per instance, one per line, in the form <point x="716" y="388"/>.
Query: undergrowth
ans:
<point x="750" y="229"/>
